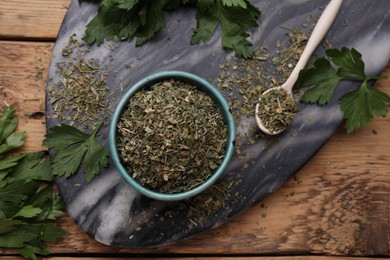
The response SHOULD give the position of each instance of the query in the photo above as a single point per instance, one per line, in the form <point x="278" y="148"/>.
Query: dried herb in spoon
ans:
<point x="171" y="137"/>
<point x="276" y="110"/>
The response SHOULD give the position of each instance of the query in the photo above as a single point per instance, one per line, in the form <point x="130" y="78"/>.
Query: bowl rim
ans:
<point x="206" y="87"/>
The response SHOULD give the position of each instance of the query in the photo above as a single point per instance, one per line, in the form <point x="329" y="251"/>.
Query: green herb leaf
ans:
<point x="207" y="22"/>
<point x="13" y="141"/>
<point x="322" y="78"/>
<point x="12" y="195"/>
<point x="349" y="61"/>
<point x="241" y="3"/>
<point x="361" y="105"/>
<point x="9" y="140"/>
<point x="111" y="23"/>
<point x="33" y="166"/>
<point x="358" y="106"/>
<point x="126" y="4"/>
<point x="28" y="211"/>
<point x="10" y="162"/>
<point x="234" y="20"/>
<point x="25" y="204"/>
<point x="8" y="123"/>
<point x="32" y="235"/>
<point x="30" y="251"/>
<point x="48" y="202"/>
<point x="121" y="20"/>
<point x="48" y="232"/>
<point x="17" y="238"/>
<point x="74" y="148"/>
<point x="152" y="20"/>
<point x="7" y="225"/>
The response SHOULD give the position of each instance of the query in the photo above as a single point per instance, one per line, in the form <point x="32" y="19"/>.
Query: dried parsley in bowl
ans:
<point x="171" y="137"/>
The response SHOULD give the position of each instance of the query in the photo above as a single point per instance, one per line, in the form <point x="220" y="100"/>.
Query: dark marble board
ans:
<point x="115" y="214"/>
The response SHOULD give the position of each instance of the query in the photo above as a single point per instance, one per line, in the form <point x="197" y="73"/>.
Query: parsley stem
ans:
<point x="97" y="128"/>
<point x="365" y="78"/>
<point x="376" y="77"/>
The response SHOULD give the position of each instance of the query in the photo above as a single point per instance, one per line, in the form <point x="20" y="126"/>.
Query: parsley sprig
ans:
<point x="122" y="20"/>
<point x="73" y="149"/>
<point x="358" y="106"/>
<point x="28" y="205"/>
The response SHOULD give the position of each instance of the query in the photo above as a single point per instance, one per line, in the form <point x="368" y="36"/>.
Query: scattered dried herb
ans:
<point x="171" y="137"/>
<point x="276" y="110"/>
<point x="244" y="79"/>
<point x="219" y="196"/>
<point x="80" y="97"/>
<point x="195" y="211"/>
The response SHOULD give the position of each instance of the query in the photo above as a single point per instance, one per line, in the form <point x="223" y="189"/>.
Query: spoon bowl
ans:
<point x="262" y="127"/>
<point x="319" y="31"/>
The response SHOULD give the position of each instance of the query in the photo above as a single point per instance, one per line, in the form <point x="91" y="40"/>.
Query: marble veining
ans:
<point x="115" y="214"/>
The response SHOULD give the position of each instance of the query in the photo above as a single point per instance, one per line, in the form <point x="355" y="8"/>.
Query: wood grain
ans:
<point x="23" y="73"/>
<point x="209" y="258"/>
<point x="33" y="19"/>
<point x="338" y="203"/>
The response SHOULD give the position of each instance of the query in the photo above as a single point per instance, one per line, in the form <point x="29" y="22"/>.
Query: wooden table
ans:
<point x="337" y="205"/>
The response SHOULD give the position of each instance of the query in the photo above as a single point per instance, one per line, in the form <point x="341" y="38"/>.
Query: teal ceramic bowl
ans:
<point x="202" y="85"/>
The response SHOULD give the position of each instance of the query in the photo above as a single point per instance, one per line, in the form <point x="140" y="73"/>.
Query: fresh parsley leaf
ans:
<point x="126" y="4"/>
<point x="30" y="236"/>
<point x="9" y="140"/>
<point x="361" y="105"/>
<point x="28" y="211"/>
<point x="152" y="20"/>
<point x="358" y="106"/>
<point x="17" y="238"/>
<point x="29" y="251"/>
<point x="234" y="20"/>
<point x="74" y="148"/>
<point x="322" y="78"/>
<point x="10" y="162"/>
<point x="111" y="23"/>
<point x="12" y="196"/>
<point x="33" y="166"/>
<point x="349" y="61"/>
<point x="116" y="21"/>
<point x="3" y="174"/>
<point x="26" y="230"/>
<point x="48" y="232"/>
<point x="13" y="141"/>
<point x="49" y="202"/>
<point x="120" y="20"/>
<point x="7" y="225"/>
<point x="8" y="123"/>
<point x="25" y="204"/>
<point x="207" y="22"/>
<point x="241" y="3"/>
<point x="173" y="4"/>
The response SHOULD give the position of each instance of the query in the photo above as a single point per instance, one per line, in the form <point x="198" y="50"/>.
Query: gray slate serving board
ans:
<point x="115" y="214"/>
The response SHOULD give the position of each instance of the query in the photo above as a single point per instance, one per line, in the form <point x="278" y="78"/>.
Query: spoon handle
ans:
<point x="319" y="31"/>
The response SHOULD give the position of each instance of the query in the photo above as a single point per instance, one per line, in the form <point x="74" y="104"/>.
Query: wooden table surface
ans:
<point x="337" y="205"/>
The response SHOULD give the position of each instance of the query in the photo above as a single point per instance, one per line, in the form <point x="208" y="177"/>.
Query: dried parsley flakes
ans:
<point x="80" y="96"/>
<point x="276" y="110"/>
<point x="171" y="137"/>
